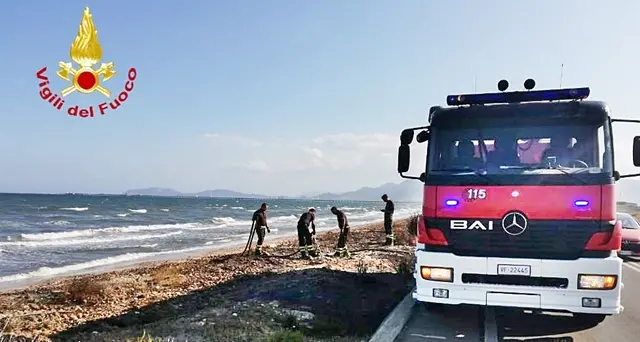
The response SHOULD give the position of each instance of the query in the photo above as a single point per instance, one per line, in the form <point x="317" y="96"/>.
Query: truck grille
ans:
<point x="553" y="239"/>
<point x="472" y="278"/>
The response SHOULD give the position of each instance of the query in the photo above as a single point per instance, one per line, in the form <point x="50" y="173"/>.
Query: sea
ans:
<point x="45" y="236"/>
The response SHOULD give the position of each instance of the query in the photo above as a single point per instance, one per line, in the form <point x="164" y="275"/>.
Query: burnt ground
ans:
<point x="320" y="303"/>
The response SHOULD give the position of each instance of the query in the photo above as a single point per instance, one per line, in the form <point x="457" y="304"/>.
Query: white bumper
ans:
<point x="530" y="297"/>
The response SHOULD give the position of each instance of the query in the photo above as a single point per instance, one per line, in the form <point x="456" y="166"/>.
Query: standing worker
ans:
<point x="260" y="224"/>
<point x="343" y="224"/>
<point x="388" y="220"/>
<point x="305" y="237"/>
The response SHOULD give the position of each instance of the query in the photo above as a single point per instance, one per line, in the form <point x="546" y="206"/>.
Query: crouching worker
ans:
<point x="260" y="225"/>
<point x="305" y="236"/>
<point x="342" y="250"/>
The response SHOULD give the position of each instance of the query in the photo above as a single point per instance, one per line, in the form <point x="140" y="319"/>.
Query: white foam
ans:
<point x="138" y="211"/>
<point x="165" y="210"/>
<point x="66" y="242"/>
<point x="75" y="209"/>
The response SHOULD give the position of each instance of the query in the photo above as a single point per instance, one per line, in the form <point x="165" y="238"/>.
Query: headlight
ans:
<point x="597" y="282"/>
<point x="436" y="273"/>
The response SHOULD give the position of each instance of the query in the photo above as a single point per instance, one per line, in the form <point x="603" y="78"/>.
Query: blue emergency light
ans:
<point x="519" y="96"/>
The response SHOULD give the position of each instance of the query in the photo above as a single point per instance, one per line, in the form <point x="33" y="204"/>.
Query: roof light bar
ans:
<point x="519" y="96"/>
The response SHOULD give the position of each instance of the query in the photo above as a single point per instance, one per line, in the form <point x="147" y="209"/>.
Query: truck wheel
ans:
<point x="590" y="318"/>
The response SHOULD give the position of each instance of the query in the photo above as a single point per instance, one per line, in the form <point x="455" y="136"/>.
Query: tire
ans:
<point x="590" y="318"/>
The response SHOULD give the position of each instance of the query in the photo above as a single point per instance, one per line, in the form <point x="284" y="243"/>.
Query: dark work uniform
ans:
<point x="260" y="219"/>
<point x="305" y="240"/>
<point x="388" y="210"/>
<point x="343" y="224"/>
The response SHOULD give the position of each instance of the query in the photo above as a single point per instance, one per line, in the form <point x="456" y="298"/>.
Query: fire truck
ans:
<point x="519" y="207"/>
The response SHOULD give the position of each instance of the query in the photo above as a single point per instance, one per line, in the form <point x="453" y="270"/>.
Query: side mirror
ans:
<point x="404" y="156"/>
<point x="423" y="177"/>
<point x="423" y="136"/>
<point x="636" y="151"/>
<point x="406" y="137"/>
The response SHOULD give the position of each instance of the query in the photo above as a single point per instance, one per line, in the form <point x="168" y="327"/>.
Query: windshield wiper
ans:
<point x="550" y="167"/>
<point x="468" y="169"/>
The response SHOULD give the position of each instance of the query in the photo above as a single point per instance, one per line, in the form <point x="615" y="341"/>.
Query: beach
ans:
<point x="47" y="236"/>
<point x="224" y="296"/>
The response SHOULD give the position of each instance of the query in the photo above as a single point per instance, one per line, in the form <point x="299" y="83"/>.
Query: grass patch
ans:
<point x="406" y="268"/>
<point x="362" y="267"/>
<point x="148" y="338"/>
<point x="286" y="336"/>
<point x="85" y="290"/>
<point x="6" y="336"/>
<point x="406" y="235"/>
<point x="169" y="276"/>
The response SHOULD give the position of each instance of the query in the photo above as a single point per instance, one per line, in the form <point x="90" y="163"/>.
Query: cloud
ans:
<point x="229" y="139"/>
<point x="357" y="141"/>
<point x="337" y="162"/>
<point x="256" y="165"/>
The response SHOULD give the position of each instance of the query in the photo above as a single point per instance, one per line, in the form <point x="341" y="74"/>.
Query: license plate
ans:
<point x="523" y="270"/>
<point x="625" y="253"/>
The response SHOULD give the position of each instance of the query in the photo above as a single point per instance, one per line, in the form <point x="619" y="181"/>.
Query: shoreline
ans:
<point x="149" y="260"/>
<point x="71" y="307"/>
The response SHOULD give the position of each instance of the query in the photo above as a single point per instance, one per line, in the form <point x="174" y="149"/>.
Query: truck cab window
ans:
<point x="514" y="148"/>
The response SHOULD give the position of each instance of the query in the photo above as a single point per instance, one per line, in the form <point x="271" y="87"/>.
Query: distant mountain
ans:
<point x="407" y="191"/>
<point x="226" y="193"/>
<point x="222" y="193"/>
<point x="153" y="192"/>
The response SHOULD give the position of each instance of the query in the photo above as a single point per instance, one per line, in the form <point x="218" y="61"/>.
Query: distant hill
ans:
<point x="407" y="191"/>
<point x="153" y="192"/>
<point x="221" y="193"/>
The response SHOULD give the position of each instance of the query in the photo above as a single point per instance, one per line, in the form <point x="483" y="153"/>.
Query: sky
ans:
<point x="286" y="97"/>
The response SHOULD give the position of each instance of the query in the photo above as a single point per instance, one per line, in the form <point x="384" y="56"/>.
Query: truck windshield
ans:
<point x="564" y="148"/>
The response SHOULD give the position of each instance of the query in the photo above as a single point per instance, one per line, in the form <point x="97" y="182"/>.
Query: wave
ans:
<point x="66" y="242"/>
<point x="58" y="223"/>
<point x="237" y="208"/>
<point x="75" y="209"/>
<point x="165" y="210"/>
<point x="52" y="271"/>
<point x="87" y="235"/>
<point x="138" y="211"/>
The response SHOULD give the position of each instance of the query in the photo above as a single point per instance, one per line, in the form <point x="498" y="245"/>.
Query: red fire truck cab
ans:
<point x="519" y="207"/>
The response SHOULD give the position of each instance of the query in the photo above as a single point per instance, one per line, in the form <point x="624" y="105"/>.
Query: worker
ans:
<point x="260" y="225"/>
<point x="343" y="224"/>
<point x="388" y="210"/>
<point x="305" y="236"/>
<point x="559" y="151"/>
<point x="466" y="156"/>
<point x="505" y="152"/>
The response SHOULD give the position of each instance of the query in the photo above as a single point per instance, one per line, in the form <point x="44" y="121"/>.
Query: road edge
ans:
<point x="393" y="324"/>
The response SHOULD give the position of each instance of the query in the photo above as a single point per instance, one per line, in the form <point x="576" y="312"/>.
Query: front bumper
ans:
<point x="567" y="299"/>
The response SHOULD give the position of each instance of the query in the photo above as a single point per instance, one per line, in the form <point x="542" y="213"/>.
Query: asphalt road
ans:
<point x="467" y="324"/>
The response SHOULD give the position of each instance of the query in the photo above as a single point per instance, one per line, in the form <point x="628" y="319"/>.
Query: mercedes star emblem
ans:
<point x="514" y="223"/>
